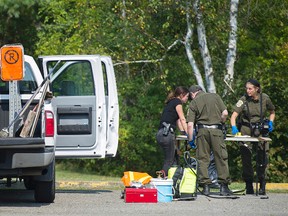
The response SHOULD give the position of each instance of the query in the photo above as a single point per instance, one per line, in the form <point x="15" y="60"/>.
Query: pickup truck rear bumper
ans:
<point x="24" y="153"/>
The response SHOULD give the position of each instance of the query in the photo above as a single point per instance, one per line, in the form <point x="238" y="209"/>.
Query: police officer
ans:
<point x="251" y="109"/>
<point x="207" y="112"/>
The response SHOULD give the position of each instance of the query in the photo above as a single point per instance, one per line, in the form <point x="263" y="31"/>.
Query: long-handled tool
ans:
<point x="39" y="105"/>
<point x="5" y="131"/>
<point x="28" y="122"/>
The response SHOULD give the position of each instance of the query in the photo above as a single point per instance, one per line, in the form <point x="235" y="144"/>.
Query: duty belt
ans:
<point x="216" y="126"/>
<point x="250" y="124"/>
<point x="246" y="124"/>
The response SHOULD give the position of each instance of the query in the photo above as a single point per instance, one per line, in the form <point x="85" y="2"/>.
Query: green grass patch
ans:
<point x="113" y="183"/>
<point x="79" y="175"/>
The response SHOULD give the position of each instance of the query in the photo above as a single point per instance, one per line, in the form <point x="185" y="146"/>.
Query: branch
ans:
<point x="174" y="44"/>
<point x="138" y="62"/>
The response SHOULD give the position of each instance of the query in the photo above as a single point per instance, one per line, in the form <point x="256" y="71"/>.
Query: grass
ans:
<point x="77" y="179"/>
<point x="70" y="175"/>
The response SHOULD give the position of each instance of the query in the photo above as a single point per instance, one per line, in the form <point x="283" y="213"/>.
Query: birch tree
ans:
<point x="204" y="48"/>
<point x="232" y="45"/>
<point x="189" y="53"/>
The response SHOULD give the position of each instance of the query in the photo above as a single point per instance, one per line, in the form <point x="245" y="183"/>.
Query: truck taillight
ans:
<point x="49" y="122"/>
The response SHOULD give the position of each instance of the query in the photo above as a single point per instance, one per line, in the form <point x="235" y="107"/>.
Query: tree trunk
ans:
<point x="189" y="53"/>
<point x="231" y="55"/>
<point x="204" y="48"/>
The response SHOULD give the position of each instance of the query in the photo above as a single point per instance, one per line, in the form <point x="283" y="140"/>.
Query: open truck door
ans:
<point x="78" y="84"/>
<point x="111" y="100"/>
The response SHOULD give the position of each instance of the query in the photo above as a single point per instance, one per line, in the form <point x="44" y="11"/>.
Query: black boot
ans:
<point x="249" y="188"/>
<point x="224" y="190"/>
<point x="215" y="185"/>
<point x="262" y="188"/>
<point x="206" y="190"/>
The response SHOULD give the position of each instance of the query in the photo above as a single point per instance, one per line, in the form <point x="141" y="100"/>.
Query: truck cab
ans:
<point x="81" y="120"/>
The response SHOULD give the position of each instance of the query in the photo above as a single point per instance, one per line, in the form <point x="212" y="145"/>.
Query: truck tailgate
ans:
<point x="18" y="142"/>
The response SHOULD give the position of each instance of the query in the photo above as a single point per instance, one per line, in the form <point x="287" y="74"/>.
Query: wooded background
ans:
<point x="157" y="45"/>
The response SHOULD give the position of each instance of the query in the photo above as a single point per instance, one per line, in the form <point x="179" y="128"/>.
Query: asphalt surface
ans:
<point x="104" y="198"/>
<point x="109" y="202"/>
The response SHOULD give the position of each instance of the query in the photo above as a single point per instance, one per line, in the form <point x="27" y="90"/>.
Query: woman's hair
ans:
<point x="255" y="83"/>
<point x="180" y="90"/>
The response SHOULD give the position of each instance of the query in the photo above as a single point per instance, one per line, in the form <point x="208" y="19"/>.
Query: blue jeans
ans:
<point x="167" y="143"/>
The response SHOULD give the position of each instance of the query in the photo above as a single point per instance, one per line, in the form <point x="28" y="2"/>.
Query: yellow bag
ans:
<point x="130" y="176"/>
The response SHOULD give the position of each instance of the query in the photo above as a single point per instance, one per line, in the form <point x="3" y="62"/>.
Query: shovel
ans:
<point x="28" y="122"/>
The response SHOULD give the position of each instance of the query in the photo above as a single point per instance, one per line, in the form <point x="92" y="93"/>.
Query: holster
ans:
<point x="224" y="130"/>
<point x="166" y="128"/>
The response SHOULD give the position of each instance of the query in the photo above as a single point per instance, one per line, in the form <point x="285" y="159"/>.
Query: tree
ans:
<point x="231" y="55"/>
<point x="18" y="23"/>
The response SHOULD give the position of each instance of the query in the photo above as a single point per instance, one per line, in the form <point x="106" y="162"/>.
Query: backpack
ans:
<point x="185" y="178"/>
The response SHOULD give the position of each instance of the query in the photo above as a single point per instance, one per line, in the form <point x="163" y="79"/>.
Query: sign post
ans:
<point x="12" y="70"/>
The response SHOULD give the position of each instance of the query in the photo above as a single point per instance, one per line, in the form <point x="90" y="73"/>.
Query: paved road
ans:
<point x="108" y="202"/>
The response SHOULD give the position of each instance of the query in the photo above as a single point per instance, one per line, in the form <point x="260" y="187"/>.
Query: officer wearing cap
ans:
<point x="207" y="112"/>
<point x="251" y="109"/>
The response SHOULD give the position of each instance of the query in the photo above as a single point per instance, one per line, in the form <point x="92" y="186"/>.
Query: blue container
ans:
<point x="164" y="189"/>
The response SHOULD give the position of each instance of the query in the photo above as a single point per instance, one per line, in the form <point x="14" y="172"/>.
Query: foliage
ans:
<point x="18" y="23"/>
<point x="131" y="31"/>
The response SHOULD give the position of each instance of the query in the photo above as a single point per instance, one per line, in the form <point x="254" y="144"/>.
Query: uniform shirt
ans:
<point x="206" y="108"/>
<point x="169" y="114"/>
<point x="250" y="108"/>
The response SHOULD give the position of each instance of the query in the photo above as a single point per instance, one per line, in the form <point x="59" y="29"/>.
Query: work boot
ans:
<point x="262" y="188"/>
<point x="206" y="190"/>
<point x="249" y="188"/>
<point x="215" y="185"/>
<point x="224" y="190"/>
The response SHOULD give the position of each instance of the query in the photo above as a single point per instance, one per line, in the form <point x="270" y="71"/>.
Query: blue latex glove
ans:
<point x="271" y="126"/>
<point x="234" y="130"/>
<point x="192" y="142"/>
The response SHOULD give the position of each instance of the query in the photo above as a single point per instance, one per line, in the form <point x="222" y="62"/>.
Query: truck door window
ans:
<point x="75" y="79"/>
<point x="105" y="79"/>
<point x="27" y="86"/>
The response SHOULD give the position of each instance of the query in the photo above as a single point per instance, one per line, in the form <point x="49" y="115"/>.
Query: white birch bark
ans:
<point x="207" y="62"/>
<point x="231" y="55"/>
<point x="189" y="53"/>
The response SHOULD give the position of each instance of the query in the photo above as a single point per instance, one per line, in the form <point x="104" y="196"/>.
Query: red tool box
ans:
<point x="140" y="195"/>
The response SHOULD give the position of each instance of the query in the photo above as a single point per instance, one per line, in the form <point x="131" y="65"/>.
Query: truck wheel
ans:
<point x="29" y="183"/>
<point x="45" y="191"/>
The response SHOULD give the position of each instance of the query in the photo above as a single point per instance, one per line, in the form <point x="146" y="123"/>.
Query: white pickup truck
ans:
<point x="80" y="121"/>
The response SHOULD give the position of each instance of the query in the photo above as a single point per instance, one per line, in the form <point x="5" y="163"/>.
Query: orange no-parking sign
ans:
<point x="12" y="62"/>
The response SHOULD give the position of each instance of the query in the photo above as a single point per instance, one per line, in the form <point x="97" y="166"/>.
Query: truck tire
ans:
<point x="45" y="192"/>
<point x="45" y="185"/>
<point x="29" y="183"/>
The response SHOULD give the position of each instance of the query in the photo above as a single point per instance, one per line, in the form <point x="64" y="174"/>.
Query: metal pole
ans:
<point x="14" y="104"/>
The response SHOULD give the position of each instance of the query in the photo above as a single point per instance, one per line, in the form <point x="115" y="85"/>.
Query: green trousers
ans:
<point x="212" y="140"/>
